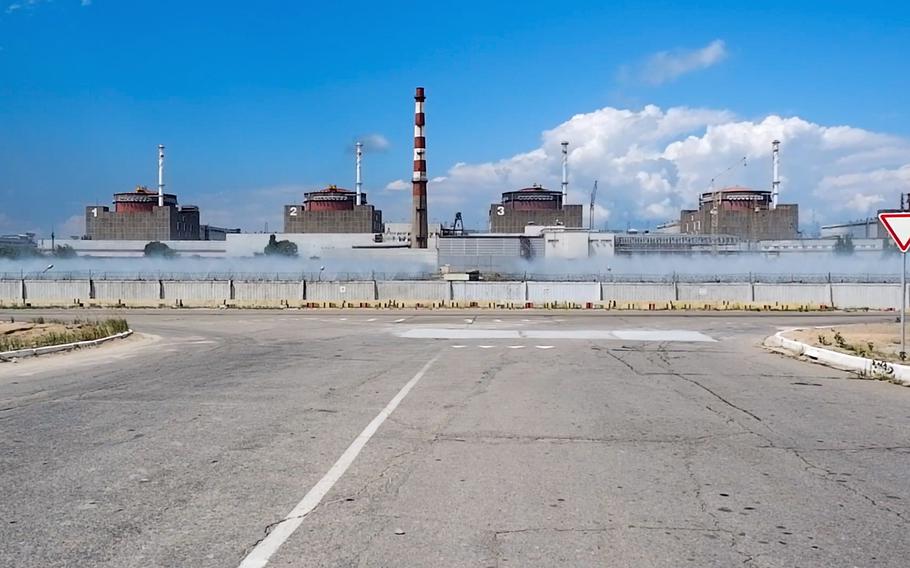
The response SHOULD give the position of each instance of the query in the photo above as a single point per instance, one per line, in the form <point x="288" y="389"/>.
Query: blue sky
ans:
<point x="258" y="102"/>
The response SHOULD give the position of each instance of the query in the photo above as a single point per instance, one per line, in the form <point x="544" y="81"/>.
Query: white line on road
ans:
<point x="399" y="320"/>
<point x="372" y="319"/>
<point x="459" y="346"/>
<point x="259" y="556"/>
<point x="485" y="346"/>
<point x="516" y="346"/>
<point x="544" y="346"/>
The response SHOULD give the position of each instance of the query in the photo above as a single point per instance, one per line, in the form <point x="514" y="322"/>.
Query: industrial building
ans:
<point x="533" y="206"/>
<point x="146" y="215"/>
<point x="741" y="212"/>
<point x="749" y="214"/>
<point x="137" y="215"/>
<point x="537" y="206"/>
<point x="333" y="210"/>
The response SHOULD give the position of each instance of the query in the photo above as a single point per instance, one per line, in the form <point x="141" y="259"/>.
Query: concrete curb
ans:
<point x="871" y="368"/>
<point x="35" y="351"/>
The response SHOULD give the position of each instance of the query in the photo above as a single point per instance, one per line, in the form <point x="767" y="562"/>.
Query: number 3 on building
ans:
<point x="500" y="210"/>
<point x="292" y="212"/>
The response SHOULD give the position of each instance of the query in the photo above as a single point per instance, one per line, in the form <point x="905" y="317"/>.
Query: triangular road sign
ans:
<point x="898" y="225"/>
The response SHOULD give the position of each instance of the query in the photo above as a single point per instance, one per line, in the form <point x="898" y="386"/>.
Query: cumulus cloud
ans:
<point x="398" y="185"/>
<point x="652" y="162"/>
<point x="374" y="142"/>
<point x="665" y="66"/>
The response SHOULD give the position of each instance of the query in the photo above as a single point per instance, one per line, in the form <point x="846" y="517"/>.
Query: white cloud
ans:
<point x="653" y="162"/>
<point x="665" y="66"/>
<point x="374" y="143"/>
<point x="74" y="226"/>
<point x="397" y="185"/>
<point x="29" y="4"/>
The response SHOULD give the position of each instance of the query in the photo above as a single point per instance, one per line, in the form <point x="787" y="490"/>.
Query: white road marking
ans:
<point x="669" y="335"/>
<point x="399" y="320"/>
<point x="468" y="320"/>
<point x="485" y="346"/>
<point x="372" y="319"/>
<point x="342" y="319"/>
<point x="459" y="346"/>
<point x="259" y="556"/>
<point x="498" y="321"/>
<point x="544" y="346"/>
<point x="516" y="346"/>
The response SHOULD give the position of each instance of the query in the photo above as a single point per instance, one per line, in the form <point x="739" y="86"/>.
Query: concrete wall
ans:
<point x="10" y="291"/>
<point x="813" y="294"/>
<point x="638" y="292"/>
<point x="128" y="292"/>
<point x="712" y="292"/>
<point x="57" y="292"/>
<point x="489" y="292"/>
<point x="414" y="291"/>
<point x="268" y="292"/>
<point x="576" y="292"/>
<point x="340" y="291"/>
<point x="196" y="292"/>
<point x="873" y="296"/>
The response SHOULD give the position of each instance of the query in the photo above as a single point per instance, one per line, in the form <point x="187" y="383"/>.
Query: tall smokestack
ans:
<point x="419" y="230"/>
<point x="160" y="175"/>
<point x="775" y="173"/>
<point x="565" y="172"/>
<point x="358" y="182"/>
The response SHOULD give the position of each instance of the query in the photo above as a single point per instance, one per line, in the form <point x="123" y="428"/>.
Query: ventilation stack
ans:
<point x="419" y="228"/>
<point x="358" y="182"/>
<point x="775" y="173"/>
<point x="565" y="172"/>
<point x="160" y="175"/>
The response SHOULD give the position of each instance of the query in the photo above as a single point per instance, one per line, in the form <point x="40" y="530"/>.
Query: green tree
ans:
<point x="16" y="252"/>
<point x="843" y="245"/>
<point x="157" y="249"/>
<point x="280" y="248"/>
<point x="64" y="251"/>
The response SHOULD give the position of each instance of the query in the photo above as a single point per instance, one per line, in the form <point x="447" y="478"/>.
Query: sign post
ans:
<point x="898" y="226"/>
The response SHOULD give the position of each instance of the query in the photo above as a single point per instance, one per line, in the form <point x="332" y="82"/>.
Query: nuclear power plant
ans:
<point x="526" y="223"/>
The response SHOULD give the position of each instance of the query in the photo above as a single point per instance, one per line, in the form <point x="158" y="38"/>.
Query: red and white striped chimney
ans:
<point x="419" y="228"/>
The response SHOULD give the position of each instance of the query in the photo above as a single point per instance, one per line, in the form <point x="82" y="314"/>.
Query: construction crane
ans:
<point x="591" y="208"/>
<point x="716" y="195"/>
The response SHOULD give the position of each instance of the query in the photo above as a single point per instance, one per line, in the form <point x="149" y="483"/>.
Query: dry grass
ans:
<point x="41" y="333"/>
<point x="875" y="341"/>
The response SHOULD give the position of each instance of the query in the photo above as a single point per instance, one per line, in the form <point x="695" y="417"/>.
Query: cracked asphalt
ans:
<point x="182" y="445"/>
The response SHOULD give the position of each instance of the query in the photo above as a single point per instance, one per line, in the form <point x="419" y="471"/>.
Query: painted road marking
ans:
<point x="498" y="321"/>
<point x="372" y="319"/>
<point x="667" y="335"/>
<point x="259" y="556"/>
<point x="516" y="346"/>
<point x="459" y="346"/>
<point x="468" y="320"/>
<point x="399" y="320"/>
<point x="544" y="346"/>
<point x="485" y="346"/>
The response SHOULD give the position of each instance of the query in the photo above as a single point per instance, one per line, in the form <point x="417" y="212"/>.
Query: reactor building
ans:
<point x="536" y="205"/>
<point x="752" y="215"/>
<point x="146" y="215"/>
<point x="332" y="210"/>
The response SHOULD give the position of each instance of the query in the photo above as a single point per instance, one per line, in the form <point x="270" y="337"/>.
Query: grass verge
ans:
<point x="75" y="331"/>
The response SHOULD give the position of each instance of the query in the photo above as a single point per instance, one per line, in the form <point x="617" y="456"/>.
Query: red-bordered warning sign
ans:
<point x="898" y="225"/>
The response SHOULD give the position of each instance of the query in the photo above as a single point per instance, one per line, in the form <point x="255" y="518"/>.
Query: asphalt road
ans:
<point x="530" y="439"/>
